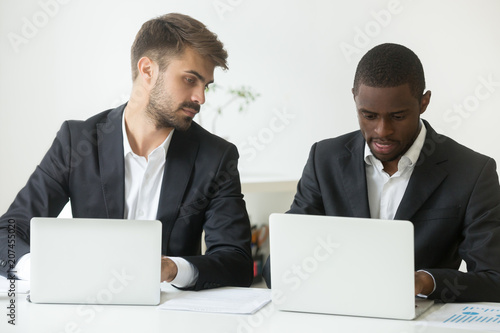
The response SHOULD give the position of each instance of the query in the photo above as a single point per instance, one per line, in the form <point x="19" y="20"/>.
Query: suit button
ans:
<point x="3" y="263"/>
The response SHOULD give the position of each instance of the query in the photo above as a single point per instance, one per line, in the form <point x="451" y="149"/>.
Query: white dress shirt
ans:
<point x="143" y="183"/>
<point x="385" y="192"/>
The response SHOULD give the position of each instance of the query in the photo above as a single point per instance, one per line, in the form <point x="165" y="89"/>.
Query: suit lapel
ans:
<point x="111" y="162"/>
<point x="179" y="164"/>
<point x="426" y="177"/>
<point x="353" y="171"/>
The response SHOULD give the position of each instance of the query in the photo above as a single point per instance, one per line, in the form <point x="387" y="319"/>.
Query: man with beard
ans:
<point x="398" y="167"/>
<point x="147" y="159"/>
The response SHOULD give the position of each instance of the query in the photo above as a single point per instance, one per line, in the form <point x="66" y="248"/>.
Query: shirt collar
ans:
<point x="411" y="155"/>
<point x="126" y="144"/>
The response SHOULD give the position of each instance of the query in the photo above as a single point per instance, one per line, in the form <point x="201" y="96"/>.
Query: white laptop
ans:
<point x="345" y="266"/>
<point x="95" y="261"/>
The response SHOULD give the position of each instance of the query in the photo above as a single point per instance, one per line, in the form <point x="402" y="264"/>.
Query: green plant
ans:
<point x="244" y="95"/>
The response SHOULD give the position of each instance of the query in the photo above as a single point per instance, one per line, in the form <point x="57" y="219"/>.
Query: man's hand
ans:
<point x="424" y="284"/>
<point x="168" y="269"/>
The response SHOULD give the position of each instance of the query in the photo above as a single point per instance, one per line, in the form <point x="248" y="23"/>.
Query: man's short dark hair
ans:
<point x="166" y="37"/>
<point x="390" y="65"/>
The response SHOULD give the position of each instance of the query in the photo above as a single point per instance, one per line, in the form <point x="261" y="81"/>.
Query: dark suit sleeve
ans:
<point x="480" y="247"/>
<point x="227" y="260"/>
<point x="308" y="199"/>
<point x="45" y="194"/>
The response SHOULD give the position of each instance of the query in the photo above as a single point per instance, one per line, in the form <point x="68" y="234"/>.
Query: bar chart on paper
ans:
<point x="480" y="316"/>
<point x="476" y="314"/>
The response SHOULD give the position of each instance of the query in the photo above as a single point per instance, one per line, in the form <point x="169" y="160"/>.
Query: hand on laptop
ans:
<point x="424" y="283"/>
<point x="168" y="269"/>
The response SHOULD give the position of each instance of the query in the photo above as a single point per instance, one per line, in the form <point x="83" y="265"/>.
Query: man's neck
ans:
<point x="391" y="167"/>
<point x="142" y="134"/>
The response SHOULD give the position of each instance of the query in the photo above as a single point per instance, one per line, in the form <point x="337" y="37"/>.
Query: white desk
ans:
<point x="54" y="318"/>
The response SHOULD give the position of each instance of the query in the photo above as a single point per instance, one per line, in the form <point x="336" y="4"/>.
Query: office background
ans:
<point x="69" y="59"/>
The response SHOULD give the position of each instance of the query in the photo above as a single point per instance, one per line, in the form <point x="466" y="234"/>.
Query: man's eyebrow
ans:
<point x="395" y="112"/>
<point x="365" y="110"/>
<point x="199" y="76"/>
<point x="400" y="111"/>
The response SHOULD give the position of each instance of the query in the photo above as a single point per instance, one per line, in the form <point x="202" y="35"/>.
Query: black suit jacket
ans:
<point x="452" y="198"/>
<point x="200" y="191"/>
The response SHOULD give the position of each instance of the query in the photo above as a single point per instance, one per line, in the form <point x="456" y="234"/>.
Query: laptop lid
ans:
<point x="95" y="261"/>
<point x="341" y="265"/>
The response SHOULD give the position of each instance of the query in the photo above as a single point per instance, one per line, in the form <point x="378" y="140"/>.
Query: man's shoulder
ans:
<point x="349" y="140"/>
<point x="207" y="139"/>
<point x="448" y="148"/>
<point x="101" y="117"/>
<point x="76" y="129"/>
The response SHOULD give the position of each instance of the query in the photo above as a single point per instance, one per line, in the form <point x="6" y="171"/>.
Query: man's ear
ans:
<point x="148" y="71"/>
<point x="424" y="102"/>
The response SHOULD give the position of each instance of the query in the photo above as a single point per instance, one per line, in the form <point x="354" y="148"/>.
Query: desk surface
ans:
<point x="55" y="318"/>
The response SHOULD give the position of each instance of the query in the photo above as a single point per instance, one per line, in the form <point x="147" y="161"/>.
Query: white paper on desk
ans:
<point x="467" y="316"/>
<point x="221" y="300"/>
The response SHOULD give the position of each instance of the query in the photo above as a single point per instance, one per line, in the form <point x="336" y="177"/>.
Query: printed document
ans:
<point x="220" y="300"/>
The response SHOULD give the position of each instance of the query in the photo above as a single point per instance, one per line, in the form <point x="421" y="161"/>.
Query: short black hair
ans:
<point x="390" y="65"/>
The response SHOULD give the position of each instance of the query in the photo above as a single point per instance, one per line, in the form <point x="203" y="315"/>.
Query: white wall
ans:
<point x="75" y="63"/>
